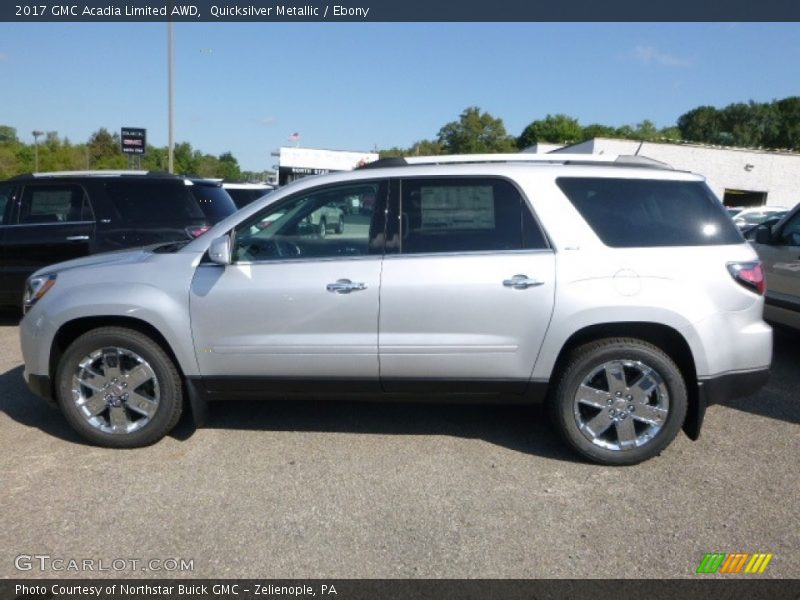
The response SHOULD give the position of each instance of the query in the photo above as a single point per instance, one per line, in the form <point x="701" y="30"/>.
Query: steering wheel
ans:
<point x="265" y="249"/>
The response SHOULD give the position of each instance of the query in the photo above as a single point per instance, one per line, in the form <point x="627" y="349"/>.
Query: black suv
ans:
<point x="51" y="217"/>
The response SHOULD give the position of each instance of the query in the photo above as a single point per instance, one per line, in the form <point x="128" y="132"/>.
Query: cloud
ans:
<point x="649" y="55"/>
<point x="267" y="120"/>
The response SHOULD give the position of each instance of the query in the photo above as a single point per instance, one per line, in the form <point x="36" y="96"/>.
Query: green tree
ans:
<point x="228" y="167"/>
<point x="475" y="132"/>
<point x="596" y="130"/>
<point x="553" y="129"/>
<point x="104" y="151"/>
<point x="186" y="163"/>
<point x="788" y="135"/>
<point x="701" y="124"/>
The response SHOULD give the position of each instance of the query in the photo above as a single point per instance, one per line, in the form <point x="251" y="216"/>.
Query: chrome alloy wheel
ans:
<point x="621" y="405"/>
<point x="115" y="390"/>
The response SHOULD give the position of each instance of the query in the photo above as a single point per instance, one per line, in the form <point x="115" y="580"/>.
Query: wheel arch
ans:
<point x="72" y="330"/>
<point x="662" y="336"/>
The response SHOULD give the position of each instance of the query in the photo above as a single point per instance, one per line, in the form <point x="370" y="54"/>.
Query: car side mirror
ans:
<point x="220" y="250"/>
<point x="763" y="234"/>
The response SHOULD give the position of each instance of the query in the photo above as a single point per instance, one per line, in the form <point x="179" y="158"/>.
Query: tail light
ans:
<point x="197" y="231"/>
<point x="750" y="275"/>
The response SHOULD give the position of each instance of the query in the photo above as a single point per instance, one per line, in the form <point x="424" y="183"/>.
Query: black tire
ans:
<point x="630" y="356"/>
<point x="322" y="230"/>
<point x="165" y="378"/>
<point x="340" y="226"/>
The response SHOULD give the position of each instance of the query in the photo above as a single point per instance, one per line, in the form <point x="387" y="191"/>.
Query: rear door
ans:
<point x="53" y="222"/>
<point x="467" y="297"/>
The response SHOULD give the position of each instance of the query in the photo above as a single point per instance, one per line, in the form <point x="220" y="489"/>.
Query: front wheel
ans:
<point x="118" y="388"/>
<point x="620" y="401"/>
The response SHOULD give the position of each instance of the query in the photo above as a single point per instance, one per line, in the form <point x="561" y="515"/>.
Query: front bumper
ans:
<point x="42" y="386"/>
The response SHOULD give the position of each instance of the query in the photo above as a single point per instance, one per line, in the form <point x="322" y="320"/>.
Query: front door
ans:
<point x="298" y="308"/>
<point x="781" y="260"/>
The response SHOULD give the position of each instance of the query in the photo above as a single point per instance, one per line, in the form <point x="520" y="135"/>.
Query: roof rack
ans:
<point x="621" y="160"/>
<point x="97" y="173"/>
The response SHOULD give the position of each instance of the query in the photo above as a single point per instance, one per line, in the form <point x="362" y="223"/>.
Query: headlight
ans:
<point x="36" y="288"/>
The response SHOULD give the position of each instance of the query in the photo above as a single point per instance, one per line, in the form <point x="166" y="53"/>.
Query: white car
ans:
<point x="616" y="290"/>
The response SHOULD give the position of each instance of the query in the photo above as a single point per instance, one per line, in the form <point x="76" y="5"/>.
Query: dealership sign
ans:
<point x="133" y="140"/>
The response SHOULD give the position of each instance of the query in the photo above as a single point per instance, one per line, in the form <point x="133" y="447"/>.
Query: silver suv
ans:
<point x="615" y="289"/>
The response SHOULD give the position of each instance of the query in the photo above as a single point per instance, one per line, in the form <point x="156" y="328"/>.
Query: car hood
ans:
<point x="118" y="257"/>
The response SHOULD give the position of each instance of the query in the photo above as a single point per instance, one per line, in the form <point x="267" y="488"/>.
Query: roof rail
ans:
<point x="99" y="173"/>
<point x="554" y="159"/>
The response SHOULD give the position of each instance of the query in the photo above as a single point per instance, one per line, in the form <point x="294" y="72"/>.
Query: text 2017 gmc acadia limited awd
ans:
<point x="615" y="289"/>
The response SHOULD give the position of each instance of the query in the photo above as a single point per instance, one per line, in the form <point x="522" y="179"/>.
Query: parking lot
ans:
<point x="343" y="490"/>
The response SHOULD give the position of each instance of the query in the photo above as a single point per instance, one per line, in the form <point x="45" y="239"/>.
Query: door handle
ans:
<point x="77" y="238"/>
<point x="521" y="282"/>
<point x="345" y="286"/>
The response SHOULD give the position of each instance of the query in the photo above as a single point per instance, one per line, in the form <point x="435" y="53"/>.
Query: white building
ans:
<point x="739" y="176"/>
<point x="294" y="163"/>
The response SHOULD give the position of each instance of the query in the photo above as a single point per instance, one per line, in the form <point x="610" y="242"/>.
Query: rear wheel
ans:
<point x="322" y="230"/>
<point x="118" y="388"/>
<point x="340" y="225"/>
<point x="619" y="401"/>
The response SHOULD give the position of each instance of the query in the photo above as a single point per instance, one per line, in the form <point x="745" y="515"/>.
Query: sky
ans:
<point x="246" y="87"/>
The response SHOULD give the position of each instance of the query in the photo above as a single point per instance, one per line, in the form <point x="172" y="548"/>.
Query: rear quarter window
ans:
<point x="153" y="202"/>
<point x="641" y="213"/>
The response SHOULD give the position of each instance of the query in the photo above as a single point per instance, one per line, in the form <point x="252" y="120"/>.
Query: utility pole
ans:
<point x="36" y="133"/>
<point x="171" y="100"/>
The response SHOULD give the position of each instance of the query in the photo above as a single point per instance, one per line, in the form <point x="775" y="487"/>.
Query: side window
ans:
<point x="5" y="202"/>
<point x="153" y="201"/>
<point x="790" y="234"/>
<point x="54" y="203"/>
<point x="465" y="215"/>
<point x="328" y="222"/>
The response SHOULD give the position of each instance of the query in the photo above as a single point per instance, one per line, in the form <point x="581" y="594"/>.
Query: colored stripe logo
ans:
<point x="734" y="563"/>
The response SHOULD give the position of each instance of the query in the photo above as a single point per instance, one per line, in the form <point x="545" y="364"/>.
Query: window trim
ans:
<point x="305" y="192"/>
<point x="396" y="210"/>
<point x="16" y="212"/>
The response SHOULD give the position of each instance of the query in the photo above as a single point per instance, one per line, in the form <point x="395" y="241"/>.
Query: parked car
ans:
<point x="778" y="247"/>
<point x="616" y="290"/>
<point x="245" y="193"/>
<point x="49" y="217"/>
<point x="734" y="210"/>
<point x="753" y="216"/>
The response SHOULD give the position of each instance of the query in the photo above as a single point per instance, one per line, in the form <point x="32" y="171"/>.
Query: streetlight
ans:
<point x="36" y="133"/>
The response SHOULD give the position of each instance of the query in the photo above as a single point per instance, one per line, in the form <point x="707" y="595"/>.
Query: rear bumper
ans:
<point x="731" y="385"/>
<point x="717" y="389"/>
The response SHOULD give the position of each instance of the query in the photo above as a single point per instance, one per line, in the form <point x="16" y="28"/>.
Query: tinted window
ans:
<point x="148" y="201"/>
<point x="315" y="224"/>
<point x="214" y="201"/>
<point x="790" y="233"/>
<point x="628" y="213"/>
<point x="5" y="196"/>
<point x="244" y="196"/>
<point x="54" y="203"/>
<point x="465" y="215"/>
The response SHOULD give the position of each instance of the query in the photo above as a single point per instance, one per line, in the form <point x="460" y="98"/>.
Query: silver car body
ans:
<point x="428" y="318"/>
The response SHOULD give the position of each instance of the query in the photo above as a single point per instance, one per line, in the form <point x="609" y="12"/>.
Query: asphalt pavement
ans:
<point x="359" y="490"/>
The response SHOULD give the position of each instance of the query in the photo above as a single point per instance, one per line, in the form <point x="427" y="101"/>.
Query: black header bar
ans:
<point x="752" y="587"/>
<point x="275" y="11"/>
